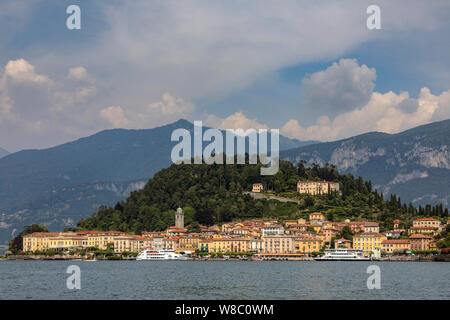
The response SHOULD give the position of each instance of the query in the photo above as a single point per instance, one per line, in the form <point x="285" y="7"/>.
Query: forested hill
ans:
<point x="214" y="194"/>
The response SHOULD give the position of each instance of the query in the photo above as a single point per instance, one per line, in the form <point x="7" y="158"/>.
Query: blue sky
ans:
<point x="310" y="68"/>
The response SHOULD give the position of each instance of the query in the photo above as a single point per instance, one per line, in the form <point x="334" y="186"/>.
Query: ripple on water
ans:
<point x="223" y="280"/>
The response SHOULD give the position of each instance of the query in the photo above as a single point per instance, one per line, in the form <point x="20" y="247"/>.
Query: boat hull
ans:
<point x="342" y="259"/>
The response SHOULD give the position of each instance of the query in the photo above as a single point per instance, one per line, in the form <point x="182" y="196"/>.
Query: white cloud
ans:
<point x="384" y="113"/>
<point x="21" y="71"/>
<point x="235" y="121"/>
<point x="79" y="74"/>
<point x="208" y="49"/>
<point x="170" y="105"/>
<point x="74" y="96"/>
<point x="168" y="109"/>
<point x="200" y="50"/>
<point x="343" y="86"/>
<point x="35" y="107"/>
<point x="115" y="116"/>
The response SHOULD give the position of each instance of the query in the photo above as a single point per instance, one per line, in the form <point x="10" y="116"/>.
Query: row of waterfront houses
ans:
<point x="299" y="236"/>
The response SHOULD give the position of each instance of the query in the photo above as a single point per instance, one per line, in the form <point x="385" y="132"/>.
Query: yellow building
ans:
<point x="424" y="230"/>
<point x="40" y="241"/>
<point x="308" y="244"/>
<point x="276" y="244"/>
<point x="288" y="223"/>
<point x="100" y="239"/>
<point x="316" y="187"/>
<point x="317" y="216"/>
<point x="427" y="222"/>
<point x="37" y="241"/>
<point x="368" y="241"/>
<point x="316" y="227"/>
<point x="129" y="243"/>
<point x="227" y="227"/>
<point x="189" y="242"/>
<point x="426" y="226"/>
<point x="257" y="187"/>
<point x="66" y="242"/>
<point x="395" y="245"/>
<point x="229" y="245"/>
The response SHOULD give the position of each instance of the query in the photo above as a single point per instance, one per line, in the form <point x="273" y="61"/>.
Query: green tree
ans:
<point x="16" y="244"/>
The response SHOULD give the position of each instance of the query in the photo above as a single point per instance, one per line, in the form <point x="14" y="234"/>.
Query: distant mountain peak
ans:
<point x="3" y="152"/>
<point x="414" y="164"/>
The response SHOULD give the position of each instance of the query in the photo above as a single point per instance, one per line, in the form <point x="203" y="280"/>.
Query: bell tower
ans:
<point x="179" y="218"/>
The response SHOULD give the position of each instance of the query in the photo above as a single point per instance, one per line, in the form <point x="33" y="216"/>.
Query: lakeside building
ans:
<point x="40" y="241"/>
<point x="229" y="245"/>
<point x="308" y="245"/>
<point x="66" y="242"/>
<point x="128" y="243"/>
<point x="190" y="242"/>
<point x="259" y="236"/>
<point x="342" y="243"/>
<point x="395" y="246"/>
<point x="420" y="242"/>
<point x="368" y="241"/>
<point x="100" y="239"/>
<point x="316" y="187"/>
<point x="37" y="241"/>
<point x="256" y="245"/>
<point x="278" y="243"/>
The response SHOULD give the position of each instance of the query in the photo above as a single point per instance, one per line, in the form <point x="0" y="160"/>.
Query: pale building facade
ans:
<point x="257" y="187"/>
<point x="316" y="187"/>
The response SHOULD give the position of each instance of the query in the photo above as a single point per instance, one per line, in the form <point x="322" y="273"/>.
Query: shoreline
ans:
<point x="437" y="258"/>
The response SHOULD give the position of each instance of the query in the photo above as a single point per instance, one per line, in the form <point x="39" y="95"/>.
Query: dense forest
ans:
<point x="215" y="193"/>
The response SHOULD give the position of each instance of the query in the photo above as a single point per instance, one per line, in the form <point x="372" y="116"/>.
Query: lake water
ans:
<point x="223" y="280"/>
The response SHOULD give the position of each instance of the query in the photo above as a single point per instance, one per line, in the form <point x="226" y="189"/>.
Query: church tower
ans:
<point x="179" y="218"/>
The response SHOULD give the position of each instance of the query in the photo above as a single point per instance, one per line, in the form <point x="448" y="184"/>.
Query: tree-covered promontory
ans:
<point x="216" y="193"/>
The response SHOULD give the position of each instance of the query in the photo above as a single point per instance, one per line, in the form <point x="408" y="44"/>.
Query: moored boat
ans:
<point x="166" y="254"/>
<point x="343" y="255"/>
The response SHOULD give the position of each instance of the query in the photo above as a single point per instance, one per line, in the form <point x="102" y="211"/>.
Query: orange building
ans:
<point x="395" y="245"/>
<point x="420" y="242"/>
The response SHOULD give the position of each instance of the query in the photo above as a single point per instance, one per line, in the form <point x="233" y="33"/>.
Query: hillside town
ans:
<point x="265" y="238"/>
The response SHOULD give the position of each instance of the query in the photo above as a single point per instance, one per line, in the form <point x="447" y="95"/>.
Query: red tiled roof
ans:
<point x="374" y="234"/>
<point x="422" y="228"/>
<point x="419" y="236"/>
<point x="396" y="241"/>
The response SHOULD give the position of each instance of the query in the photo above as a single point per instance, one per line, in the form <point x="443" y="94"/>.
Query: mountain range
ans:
<point x="60" y="185"/>
<point x="3" y="153"/>
<point x="414" y="164"/>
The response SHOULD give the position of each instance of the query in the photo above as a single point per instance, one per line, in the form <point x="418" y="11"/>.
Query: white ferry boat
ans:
<point x="342" y="255"/>
<point x="166" y="254"/>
